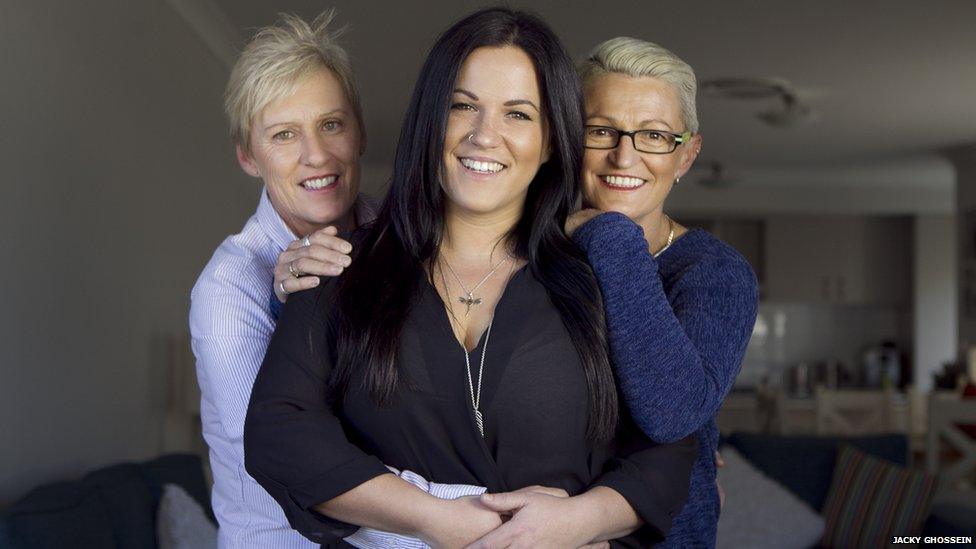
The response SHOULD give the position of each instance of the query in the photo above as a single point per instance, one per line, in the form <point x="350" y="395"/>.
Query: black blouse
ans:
<point x="305" y="446"/>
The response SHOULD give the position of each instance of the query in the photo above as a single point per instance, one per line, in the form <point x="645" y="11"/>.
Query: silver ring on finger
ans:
<point x="306" y="242"/>
<point x="294" y="272"/>
<point x="281" y="286"/>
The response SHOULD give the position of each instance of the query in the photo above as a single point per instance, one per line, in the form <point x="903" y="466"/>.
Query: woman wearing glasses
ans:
<point x="680" y="304"/>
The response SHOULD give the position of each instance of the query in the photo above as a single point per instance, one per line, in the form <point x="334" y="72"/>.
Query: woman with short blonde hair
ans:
<point x="296" y="123"/>
<point x="680" y="304"/>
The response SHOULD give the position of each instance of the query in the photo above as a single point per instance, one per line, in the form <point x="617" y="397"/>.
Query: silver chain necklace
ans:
<point x="468" y="300"/>
<point x="476" y="395"/>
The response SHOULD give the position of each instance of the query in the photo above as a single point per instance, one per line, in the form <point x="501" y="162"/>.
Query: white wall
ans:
<point x="935" y="296"/>
<point x="119" y="183"/>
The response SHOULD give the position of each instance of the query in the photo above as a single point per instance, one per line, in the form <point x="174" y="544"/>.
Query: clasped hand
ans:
<point x="536" y="516"/>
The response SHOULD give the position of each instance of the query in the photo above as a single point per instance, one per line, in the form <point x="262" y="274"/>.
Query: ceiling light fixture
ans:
<point x="790" y="113"/>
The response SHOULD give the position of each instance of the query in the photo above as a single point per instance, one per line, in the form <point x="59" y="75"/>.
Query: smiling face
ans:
<point x="623" y="179"/>
<point x="306" y="148"/>
<point x="496" y="137"/>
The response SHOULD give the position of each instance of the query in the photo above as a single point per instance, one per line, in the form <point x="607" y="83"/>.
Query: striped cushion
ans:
<point x="871" y="500"/>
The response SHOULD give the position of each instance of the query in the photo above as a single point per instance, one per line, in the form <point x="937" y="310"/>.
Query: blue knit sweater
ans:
<point x="678" y="327"/>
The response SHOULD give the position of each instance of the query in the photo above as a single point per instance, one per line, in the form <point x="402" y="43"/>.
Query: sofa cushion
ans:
<point x="56" y="514"/>
<point x="871" y="500"/>
<point x="184" y="470"/>
<point x="181" y="523"/>
<point x="805" y="464"/>
<point x="759" y="512"/>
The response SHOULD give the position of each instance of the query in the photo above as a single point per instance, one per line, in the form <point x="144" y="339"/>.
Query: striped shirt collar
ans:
<point x="272" y="224"/>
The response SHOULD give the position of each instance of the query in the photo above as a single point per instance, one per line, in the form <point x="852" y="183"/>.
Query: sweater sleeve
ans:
<point x="675" y="361"/>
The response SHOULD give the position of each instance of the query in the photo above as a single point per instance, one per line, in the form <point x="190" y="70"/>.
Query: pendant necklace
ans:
<point x="469" y="299"/>
<point x="474" y="393"/>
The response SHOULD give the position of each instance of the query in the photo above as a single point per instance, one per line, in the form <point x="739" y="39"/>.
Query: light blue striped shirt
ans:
<point x="231" y="323"/>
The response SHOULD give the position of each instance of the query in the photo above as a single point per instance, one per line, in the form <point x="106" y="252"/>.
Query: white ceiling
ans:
<point x="895" y="81"/>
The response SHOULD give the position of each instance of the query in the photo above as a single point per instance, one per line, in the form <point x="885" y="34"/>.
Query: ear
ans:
<point x="688" y="155"/>
<point x="246" y="162"/>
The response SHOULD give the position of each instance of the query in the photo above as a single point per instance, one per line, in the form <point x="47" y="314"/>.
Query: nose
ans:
<point x="315" y="153"/>
<point x="484" y="135"/>
<point x="624" y="155"/>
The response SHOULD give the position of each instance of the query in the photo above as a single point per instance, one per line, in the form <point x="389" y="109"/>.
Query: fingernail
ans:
<point x="315" y="281"/>
<point x="486" y="497"/>
<point x="347" y="248"/>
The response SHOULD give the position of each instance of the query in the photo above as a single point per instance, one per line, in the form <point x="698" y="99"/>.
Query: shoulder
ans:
<point x="234" y="288"/>
<point x="703" y="259"/>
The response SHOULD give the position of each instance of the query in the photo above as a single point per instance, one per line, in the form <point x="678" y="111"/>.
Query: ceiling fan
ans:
<point x="790" y="110"/>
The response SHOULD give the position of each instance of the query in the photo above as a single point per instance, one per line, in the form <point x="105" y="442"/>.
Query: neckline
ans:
<point x="676" y="241"/>
<point x="444" y="321"/>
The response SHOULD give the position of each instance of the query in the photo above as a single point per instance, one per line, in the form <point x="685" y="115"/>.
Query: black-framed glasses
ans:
<point x="645" y="141"/>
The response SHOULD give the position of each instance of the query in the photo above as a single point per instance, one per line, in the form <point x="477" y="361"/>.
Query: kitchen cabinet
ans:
<point x="838" y="259"/>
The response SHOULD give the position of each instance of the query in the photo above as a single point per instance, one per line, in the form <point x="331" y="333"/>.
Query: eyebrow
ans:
<point x="340" y="110"/>
<point x="641" y="124"/>
<point x="510" y="103"/>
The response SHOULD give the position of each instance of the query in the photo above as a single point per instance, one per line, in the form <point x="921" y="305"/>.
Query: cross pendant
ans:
<point x="468" y="302"/>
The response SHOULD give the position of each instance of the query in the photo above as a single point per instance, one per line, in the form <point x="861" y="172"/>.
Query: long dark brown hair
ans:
<point x="377" y="291"/>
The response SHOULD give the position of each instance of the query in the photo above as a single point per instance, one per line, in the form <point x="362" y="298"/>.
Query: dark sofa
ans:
<point x="108" y="508"/>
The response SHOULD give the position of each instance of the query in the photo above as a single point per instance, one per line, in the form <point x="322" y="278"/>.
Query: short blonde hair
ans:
<point x="635" y="57"/>
<point x="275" y="61"/>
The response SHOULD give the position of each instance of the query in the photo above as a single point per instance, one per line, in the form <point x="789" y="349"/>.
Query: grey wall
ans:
<point x="964" y="160"/>
<point x="119" y="183"/>
<point x="935" y="296"/>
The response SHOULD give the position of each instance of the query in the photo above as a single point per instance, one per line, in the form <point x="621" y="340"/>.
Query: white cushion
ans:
<point x="181" y="522"/>
<point x="759" y="512"/>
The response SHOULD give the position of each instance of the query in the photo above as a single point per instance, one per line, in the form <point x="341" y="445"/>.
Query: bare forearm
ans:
<point x="387" y="503"/>
<point x="391" y="504"/>
<point x="605" y="514"/>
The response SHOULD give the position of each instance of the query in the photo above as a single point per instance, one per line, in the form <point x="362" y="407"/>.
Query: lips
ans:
<point x="481" y="166"/>
<point x="622" y="182"/>
<point x="318" y="183"/>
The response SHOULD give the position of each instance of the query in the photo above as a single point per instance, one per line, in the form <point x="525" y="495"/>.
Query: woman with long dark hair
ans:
<point x="467" y="340"/>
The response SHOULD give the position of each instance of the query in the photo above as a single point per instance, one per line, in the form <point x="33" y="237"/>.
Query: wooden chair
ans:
<point x="945" y="415"/>
<point x="854" y="412"/>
